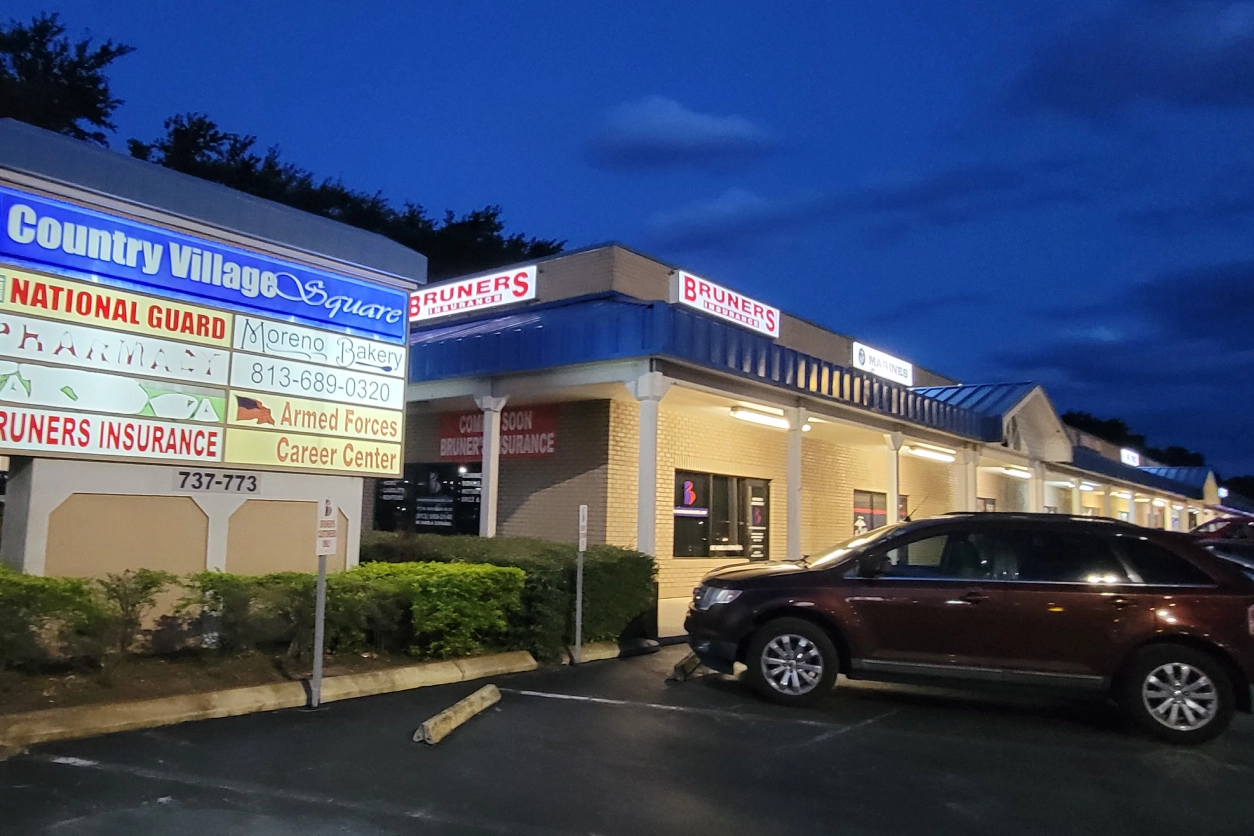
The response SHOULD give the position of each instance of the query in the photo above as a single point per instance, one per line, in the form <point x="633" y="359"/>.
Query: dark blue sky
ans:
<point x="1037" y="190"/>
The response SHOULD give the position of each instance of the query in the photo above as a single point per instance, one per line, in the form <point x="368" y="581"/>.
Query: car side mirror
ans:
<point x="871" y="565"/>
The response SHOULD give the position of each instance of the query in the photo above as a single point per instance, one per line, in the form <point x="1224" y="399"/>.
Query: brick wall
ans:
<point x="830" y="473"/>
<point x="704" y="441"/>
<point x="931" y="487"/>
<point x="1011" y="493"/>
<point x="540" y="497"/>
<point x="621" y="473"/>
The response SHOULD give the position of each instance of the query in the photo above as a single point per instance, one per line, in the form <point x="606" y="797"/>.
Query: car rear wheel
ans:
<point x="792" y="661"/>
<point x="1178" y="694"/>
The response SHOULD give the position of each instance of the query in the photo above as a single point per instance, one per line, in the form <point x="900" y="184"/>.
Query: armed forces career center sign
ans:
<point x="125" y="341"/>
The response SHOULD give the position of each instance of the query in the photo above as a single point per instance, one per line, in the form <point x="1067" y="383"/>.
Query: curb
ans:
<point x="18" y="730"/>
<point x="600" y="651"/>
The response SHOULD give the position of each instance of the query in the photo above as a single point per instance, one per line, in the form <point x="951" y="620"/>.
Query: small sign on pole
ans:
<point x="326" y="542"/>
<point x="583" y="547"/>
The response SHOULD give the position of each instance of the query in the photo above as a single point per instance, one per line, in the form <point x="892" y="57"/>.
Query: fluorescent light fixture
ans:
<point x="1058" y="483"/>
<point x="1087" y="486"/>
<point x="757" y="407"/>
<point x="1177" y="507"/>
<point x="936" y="454"/>
<point x="755" y="417"/>
<point x="1142" y="499"/>
<point x="1122" y="494"/>
<point x="1017" y="472"/>
<point x="1160" y="503"/>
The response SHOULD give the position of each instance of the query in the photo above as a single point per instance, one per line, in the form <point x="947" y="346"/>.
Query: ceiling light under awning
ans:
<point x="754" y="417"/>
<point x="936" y="454"/>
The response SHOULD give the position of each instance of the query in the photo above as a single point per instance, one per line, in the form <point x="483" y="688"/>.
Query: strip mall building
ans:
<point x="705" y="427"/>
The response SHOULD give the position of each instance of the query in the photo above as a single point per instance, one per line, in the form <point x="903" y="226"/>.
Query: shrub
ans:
<point x="42" y="618"/>
<point x="426" y="610"/>
<point x="262" y="612"/>
<point x="454" y="610"/>
<point x="618" y="583"/>
<point x="129" y="595"/>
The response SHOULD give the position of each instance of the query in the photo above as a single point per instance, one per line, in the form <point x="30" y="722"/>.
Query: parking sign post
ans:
<point x="327" y="543"/>
<point x="583" y="547"/>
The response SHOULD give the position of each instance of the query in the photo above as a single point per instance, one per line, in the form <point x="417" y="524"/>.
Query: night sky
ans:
<point x="1052" y="191"/>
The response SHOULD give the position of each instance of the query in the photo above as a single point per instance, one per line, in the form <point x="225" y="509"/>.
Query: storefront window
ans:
<point x="870" y="510"/>
<point x="721" y="515"/>
<point x="432" y="498"/>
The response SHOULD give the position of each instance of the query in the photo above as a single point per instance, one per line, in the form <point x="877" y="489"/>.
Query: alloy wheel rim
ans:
<point x="792" y="664"/>
<point x="1180" y="697"/>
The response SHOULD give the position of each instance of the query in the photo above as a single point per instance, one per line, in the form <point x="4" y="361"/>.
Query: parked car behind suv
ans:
<point x="1147" y="617"/>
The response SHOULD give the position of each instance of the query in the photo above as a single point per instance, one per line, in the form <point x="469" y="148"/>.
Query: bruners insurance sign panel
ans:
<point x="89" y="369"/>
<point x="724" y="304"/>
<point x="526" y="432"/>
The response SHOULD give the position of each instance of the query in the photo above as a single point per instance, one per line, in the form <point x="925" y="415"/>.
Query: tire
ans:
<point x="1177" y="694"/>
<point x="774" y="654"/>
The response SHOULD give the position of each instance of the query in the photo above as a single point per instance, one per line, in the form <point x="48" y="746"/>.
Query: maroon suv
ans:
<point x="1148" y="617"/>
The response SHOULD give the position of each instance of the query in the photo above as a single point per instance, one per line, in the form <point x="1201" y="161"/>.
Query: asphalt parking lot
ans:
<point x="611" y="748"/>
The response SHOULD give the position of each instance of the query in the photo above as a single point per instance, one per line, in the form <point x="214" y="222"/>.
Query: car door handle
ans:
<point x="1119" y="602"/>
<point x="974" y="597"/>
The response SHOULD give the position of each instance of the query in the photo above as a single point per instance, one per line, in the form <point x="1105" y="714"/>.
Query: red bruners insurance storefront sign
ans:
<point x="476" y="293"/>
<point x="718" y="301"/>
<point x="526" y="432"/>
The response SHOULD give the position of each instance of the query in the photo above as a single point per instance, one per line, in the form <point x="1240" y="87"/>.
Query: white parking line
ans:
<point x="834" y="728"/>
<point x="259" y="790"/>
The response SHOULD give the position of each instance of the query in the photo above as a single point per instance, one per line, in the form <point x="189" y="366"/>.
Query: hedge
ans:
<point x="428" y="610"/>
<point x="618" y="583"/>
<point x="44" y="618"/>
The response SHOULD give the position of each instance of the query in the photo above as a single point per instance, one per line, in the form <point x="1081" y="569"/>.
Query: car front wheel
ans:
<point x="792" y="661"/>
<point x="1178" y="694"/>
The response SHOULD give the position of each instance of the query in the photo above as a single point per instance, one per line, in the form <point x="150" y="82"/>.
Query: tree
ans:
<point x="1117" y="432"/>
<point x="1107" y="429"/>
<point x="194" y="144"/>
<point x="1243" y="485"/>
<point x="50" y="82"/>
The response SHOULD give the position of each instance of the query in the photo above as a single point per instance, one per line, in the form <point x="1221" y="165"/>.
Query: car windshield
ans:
<point x="842" y="550"/>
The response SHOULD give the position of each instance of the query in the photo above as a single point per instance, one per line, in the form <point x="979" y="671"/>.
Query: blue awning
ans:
<point x="991" y="399"/>
<point x="1194" y="477"/>
<point x="615" y="327"/>
<point x="1094" y="462"/>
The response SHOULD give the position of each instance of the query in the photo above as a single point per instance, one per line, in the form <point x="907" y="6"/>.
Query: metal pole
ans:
<point x="320" y="613"/>
<point x="583" y="546"/>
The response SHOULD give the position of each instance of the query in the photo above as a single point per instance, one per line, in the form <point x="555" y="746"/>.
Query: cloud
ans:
<point x="657" y="132"/>
<point x="731" y="218"/>
<point x="1229" y="199"/>
<point x="1184" y="53"/>
<point x="1170" y="355"/>
<point x="891" y="208"/>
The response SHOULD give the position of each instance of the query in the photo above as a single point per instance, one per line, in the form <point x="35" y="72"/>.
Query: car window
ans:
<point x="943" y="557"/>
<point x="1060" y="557"/>
<point x="1157" y="565"/>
